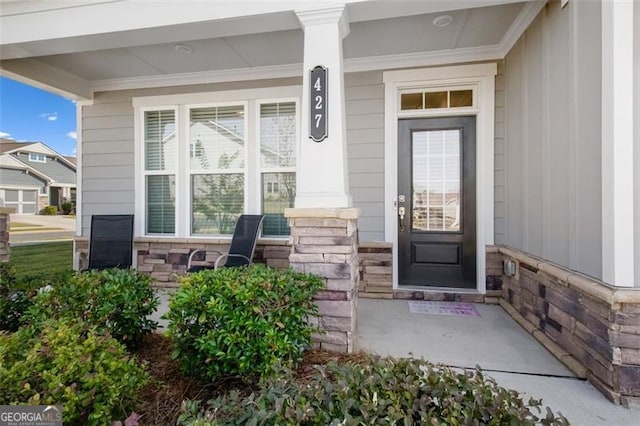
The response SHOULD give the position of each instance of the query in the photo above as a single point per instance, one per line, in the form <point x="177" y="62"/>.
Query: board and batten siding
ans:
<point x="548" y="145"/>
<point x="108" y="169"/>
<point x="636" y="132"/>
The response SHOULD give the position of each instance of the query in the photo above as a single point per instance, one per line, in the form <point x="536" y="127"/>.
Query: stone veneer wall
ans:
<point x="5" y="251"/>
<point x="376" y="270"/>
<point x="593" y="328"/>
<point x="376" y="281"/>
<point x="163" y="259"/>
<point x="325" y="243"/>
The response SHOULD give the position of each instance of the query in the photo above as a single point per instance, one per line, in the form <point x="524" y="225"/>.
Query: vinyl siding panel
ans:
<point x="364" y="94"/>
<point x="547" y="174"/>
<point x="13" y="178"/>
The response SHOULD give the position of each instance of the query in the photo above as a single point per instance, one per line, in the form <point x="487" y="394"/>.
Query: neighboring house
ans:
<point x="470" y="134"/>
<point x="33" y="176"/>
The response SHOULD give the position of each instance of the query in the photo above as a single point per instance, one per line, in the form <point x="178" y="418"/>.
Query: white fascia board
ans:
<point x="520" y="25"/>
<point x="12" y="162"/>
<point x="43" y="76"/>
<point x="36" y="147"/>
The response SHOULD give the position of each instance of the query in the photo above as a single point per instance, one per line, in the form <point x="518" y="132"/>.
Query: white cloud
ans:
<point x="74" y="151"/>
<point x="5" y="135"/>
<point x="73" y="135"/>
<point x="51" y="116"/>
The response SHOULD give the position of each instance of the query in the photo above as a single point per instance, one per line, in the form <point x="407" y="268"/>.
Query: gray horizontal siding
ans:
<point x="19" y="178"/>
<point x="365" y="149"/>
<point x="107" y="159"/>
<point x="59" y="172"/>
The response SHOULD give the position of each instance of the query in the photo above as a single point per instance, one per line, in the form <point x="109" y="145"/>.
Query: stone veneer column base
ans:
<point x="592" y="327"/>
<point x="325" y="243"/>
<point x="5" y="252"/>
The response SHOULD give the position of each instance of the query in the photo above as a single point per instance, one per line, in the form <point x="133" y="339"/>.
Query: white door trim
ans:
<point x="482" y="78"/>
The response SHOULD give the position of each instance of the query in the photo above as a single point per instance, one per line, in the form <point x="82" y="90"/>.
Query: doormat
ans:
<point x="460" y="309"/>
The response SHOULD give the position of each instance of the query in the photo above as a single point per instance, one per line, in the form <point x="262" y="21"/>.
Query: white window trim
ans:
<point x="259" y="167"/>
<point x="34" y="157"/>
<point x="482" y="78"/>
<point x="185" y="206"/>
<point x="251" y="99"/>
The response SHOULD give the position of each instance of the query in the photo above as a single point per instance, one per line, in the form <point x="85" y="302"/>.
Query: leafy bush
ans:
<point x="17" y="294"/>
<point x="241" y="321"/>
<point x="117" y="301"/>
<point x="49" y="211"/>
<point x="90" y="374"/>
<point x="382" y="392"/>
<point x="66" y="206"/>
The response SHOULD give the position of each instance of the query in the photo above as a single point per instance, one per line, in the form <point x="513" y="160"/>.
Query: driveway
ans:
<point x="38" y="228"/>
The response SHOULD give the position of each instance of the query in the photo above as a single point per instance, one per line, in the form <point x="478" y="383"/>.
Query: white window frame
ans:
<point x="186" y="205"/>
<point x="260" y="168"/>
<point x="36" y="157"/>
<point x="482" y="78"/>
<point x="182" y="103"/>
<point x="142" y="164"/>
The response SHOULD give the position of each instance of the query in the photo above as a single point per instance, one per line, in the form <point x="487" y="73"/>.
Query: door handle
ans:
<point x="401" y="213"/>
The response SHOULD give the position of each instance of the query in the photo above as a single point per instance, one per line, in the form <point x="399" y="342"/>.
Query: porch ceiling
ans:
<point x="174" y="54"/>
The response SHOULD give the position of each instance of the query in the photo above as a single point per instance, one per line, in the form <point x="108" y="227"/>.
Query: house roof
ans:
<point x="7" y="145"/>
<point x="58" y="169"/>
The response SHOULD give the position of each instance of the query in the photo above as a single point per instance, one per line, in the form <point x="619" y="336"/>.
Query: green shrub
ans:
<point x="382" y="392"/>
<point x="241" y="321"/>
<point x="49" y="211"/>
<point x="90" y="374"/>
<point x="66" y="206"/>
<point x="17" y="294"/>
<point x="117" y="301"/>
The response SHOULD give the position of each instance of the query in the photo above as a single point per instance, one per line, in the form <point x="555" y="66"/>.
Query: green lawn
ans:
<point x="42" y="258"/>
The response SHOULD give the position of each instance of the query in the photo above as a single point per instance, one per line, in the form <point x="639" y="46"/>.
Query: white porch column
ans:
<point x="322" y="175"/>
<point x="617" y="143"/>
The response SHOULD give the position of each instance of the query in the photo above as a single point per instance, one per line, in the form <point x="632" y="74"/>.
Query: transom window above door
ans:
<point x="203" y="165"/>
<point x="434" y="99"/>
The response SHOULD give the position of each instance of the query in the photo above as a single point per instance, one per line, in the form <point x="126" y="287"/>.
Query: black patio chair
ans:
<point x="243" y="245"/>
<point x="111" y="241"/>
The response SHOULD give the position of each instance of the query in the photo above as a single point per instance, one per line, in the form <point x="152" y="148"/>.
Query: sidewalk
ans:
<point x="37" y="228"/>
<point x="498" y="344"/>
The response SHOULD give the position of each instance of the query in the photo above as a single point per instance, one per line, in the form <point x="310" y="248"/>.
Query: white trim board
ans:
<point x="482" y="78"/>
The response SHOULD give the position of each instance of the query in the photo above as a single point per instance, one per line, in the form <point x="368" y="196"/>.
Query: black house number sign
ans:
<point x="318" y="87"/>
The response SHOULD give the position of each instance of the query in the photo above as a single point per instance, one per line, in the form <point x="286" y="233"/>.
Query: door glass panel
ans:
<point x="436" y="180"/>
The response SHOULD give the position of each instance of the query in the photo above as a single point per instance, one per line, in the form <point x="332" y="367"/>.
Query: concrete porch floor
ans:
<point x="495" y="342"/>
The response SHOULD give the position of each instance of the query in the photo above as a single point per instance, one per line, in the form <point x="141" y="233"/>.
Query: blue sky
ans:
<point x="28" y="114"/>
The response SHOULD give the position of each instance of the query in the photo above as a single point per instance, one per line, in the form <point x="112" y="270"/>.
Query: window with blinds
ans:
<point x="217" y="140"/>
<point x="160" y="155"/>
<point x="278" y="137"/>
<point x="203" y="165"/>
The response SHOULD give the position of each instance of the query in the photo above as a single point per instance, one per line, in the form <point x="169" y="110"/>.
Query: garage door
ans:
<point x="22" y="200"/>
